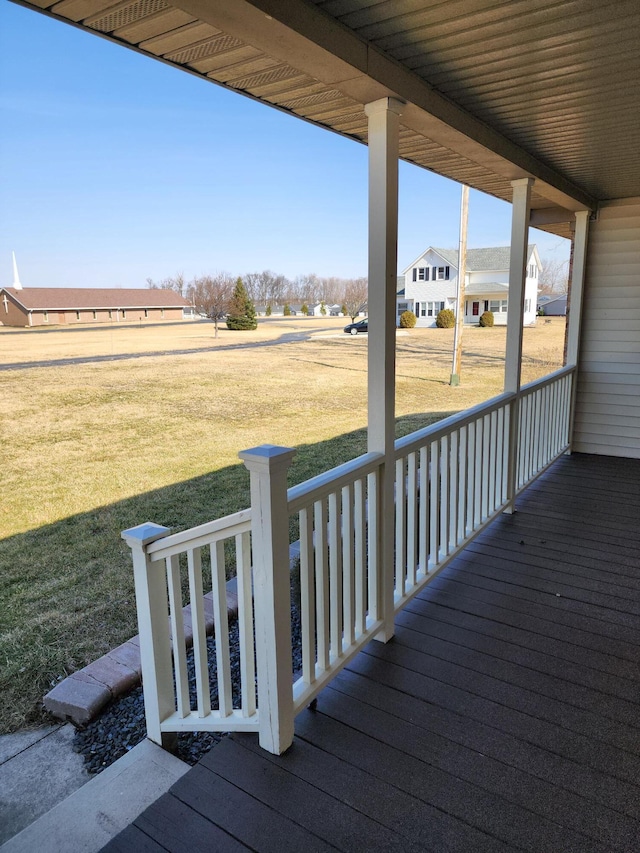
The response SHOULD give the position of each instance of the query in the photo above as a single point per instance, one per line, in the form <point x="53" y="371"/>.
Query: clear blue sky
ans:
<point x="115" y="168"/>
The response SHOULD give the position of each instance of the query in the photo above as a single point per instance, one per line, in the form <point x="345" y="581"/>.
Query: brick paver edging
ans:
<point x="83" y="694"/>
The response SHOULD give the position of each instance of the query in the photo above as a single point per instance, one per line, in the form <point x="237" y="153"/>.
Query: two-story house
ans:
<point x="431" y="281"/>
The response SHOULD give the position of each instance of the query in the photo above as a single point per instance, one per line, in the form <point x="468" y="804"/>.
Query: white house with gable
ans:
<point x="431" y="281"/>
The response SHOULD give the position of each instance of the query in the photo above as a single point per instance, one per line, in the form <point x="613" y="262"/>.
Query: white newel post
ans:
<point x="153" y="626"/>
<point x="268" y="467"/>
<point x="384" y="124"/>
<point x="520" y="214"/>
<point x="574" y="321"/>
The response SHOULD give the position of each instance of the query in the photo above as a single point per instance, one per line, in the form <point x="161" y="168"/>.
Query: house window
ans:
<point x="162" y="312"/>
<point x="423" y="274"/>
<point x="441" y="273"/>
<point x="498" y="306"/>
<point x="146" y="312"/>
<point x="95" y="315"/>
<point x="111" y="315"/>
<point x="124" y="314"/>
<point x="45" y="316"/>
<point x="533" y="271"/>
<point x="433" y="308"/>
<point x="527" y="306"/>
<point x="77" y="315"/>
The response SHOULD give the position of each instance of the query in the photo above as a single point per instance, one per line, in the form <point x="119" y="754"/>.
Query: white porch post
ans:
<point x="268" y="466"/>
<point x="521" y="209"/>
<point x="383" y="253"/>
<point x="153" y="627"/>
<point x="577" y="285"/>
<point x="578" y="270"/>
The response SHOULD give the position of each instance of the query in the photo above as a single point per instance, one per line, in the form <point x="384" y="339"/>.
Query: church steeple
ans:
<point x="16" y="278"/>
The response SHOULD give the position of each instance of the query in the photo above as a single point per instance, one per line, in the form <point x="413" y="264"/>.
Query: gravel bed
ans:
<point x="121" y="725"/>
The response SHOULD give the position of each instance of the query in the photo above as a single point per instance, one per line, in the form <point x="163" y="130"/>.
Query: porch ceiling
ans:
<point x="495" y="89"/>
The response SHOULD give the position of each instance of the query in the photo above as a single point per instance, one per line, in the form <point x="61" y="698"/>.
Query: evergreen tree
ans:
<point x="242" y="313"/>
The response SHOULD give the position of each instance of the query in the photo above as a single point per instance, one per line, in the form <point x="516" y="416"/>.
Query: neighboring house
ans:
<point x="553" y="306"/>
<point x="54" y="306"/>
<point x="430" y="284"/>
<point x="330" y="310"/>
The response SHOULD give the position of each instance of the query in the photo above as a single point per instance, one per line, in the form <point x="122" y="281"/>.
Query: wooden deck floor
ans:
<point x="503" y="716"/>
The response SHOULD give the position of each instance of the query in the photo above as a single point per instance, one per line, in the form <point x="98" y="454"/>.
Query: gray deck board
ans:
<point x="503" y="716"/>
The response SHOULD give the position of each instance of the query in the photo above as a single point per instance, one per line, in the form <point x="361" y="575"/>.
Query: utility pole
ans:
<point x="462" y="271"/>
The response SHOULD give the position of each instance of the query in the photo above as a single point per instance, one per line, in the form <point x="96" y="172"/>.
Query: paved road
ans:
<point x="287" y="338"/>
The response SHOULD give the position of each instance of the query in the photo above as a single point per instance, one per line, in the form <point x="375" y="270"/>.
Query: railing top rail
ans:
<point x="549" y="379"/>
<point x="415" y="440"/>
<point x="323" y="484"/>
<point x="204" y="534"/>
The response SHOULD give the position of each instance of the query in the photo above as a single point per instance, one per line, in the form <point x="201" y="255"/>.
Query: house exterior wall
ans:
<point x="608" y="390"/>
<point x="12" y="315"/>
<point x="16" y="316"/>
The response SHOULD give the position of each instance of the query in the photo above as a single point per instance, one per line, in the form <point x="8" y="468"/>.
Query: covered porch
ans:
<point x="502" y="716"/>
<point x="475" y="669"/>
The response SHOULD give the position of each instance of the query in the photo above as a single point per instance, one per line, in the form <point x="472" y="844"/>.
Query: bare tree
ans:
<point x="554" y="277"/>
<point x="355" y="296"/>
<point x="212" y="295"/>
<point x="177" y="283"/>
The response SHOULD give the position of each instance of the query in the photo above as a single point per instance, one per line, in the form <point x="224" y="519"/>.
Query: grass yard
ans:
<point x="104" y="428"/>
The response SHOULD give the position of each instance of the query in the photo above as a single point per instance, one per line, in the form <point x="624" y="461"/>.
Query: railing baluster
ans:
<point x="322" y="583"/>
<point x="471" y="477"/>
<point x="401" y="529"/>
<point x="412" y="519"/>
<point x="221" y="623"/>
<point x="486" y="461"/>
<point x="360" y="556"/>
<point x="479" y="479"/>
<point x="348" y="585"/>
<point x="462" y="483"/>
<point x="307" y="597"/>
<point x="373" y="562"/>
<point x="335" y="575"/>
<point x="177" y="635"/>
<point x="245" y="624"/>
<point x="194" y="565"/>
<point x="453" y="491"/>
<point x="423" y="519"/>
<point x="434" y="502"/>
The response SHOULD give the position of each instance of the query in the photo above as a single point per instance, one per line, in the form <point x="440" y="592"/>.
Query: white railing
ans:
<point x="544" y="419"/>
<point x="163" y="566"/>
<point x="340" y="606"/>
<point x="451" y="480"/>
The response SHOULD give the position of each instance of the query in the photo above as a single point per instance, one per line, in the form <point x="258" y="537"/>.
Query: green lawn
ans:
<point x="92" y="448"/>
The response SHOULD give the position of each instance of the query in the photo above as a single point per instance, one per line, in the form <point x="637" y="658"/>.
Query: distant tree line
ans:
<point x="268" y="290"/>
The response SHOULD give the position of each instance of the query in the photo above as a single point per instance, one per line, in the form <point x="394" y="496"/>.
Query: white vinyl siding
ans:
<point x="608" y="399"/>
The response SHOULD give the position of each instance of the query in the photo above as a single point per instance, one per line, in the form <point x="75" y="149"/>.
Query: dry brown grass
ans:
<point x="93" y="447"/>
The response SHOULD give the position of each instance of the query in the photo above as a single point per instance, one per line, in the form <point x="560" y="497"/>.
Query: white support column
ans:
<point x="521" y="210"/>
<point x="268" y="466"/>
<point x="384" y="124"/>
<point x="153" y="627"/>
<point x="577" y="286"/>
<point x="578" y="269"/>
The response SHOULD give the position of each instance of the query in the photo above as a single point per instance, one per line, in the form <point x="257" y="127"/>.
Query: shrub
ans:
<point x="323" y="309"/>
<point x="242" y="312"/>
<point x="286" y="310"/>
<point x="268" y="311"/>
<point x="304" y="309"/>
<point x="407" y="320"/>
<point x="486" y="319"/>
<point x="446" y="319"/>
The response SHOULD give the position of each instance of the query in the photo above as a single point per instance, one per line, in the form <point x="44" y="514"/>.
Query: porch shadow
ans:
<point x="67" y="587"/>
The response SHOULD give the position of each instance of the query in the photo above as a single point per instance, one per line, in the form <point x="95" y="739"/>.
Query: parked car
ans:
<point x="355" y="328"/>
